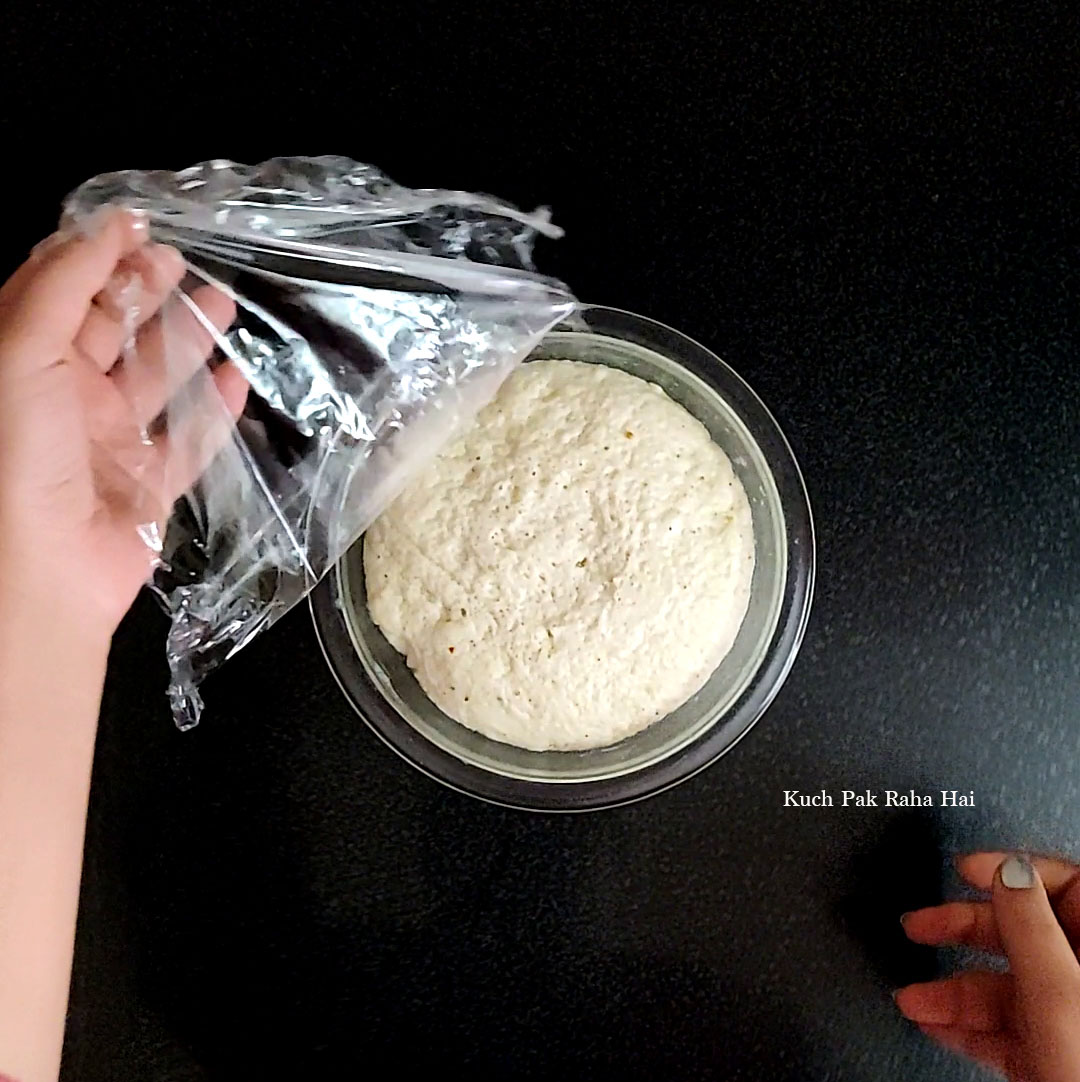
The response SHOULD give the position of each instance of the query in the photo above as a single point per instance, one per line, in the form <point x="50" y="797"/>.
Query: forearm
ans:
<point x="52" y="664"/>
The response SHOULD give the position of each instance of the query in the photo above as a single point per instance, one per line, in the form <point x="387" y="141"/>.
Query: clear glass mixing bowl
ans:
<point x="384" y="692"/>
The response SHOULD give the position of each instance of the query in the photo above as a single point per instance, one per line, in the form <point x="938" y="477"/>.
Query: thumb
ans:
<point x="1047" y="974"/>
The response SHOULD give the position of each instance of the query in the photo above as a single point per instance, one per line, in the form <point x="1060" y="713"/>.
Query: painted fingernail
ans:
<point x="1017" y="873"/>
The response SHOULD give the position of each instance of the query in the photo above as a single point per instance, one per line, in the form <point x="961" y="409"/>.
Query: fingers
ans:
<point x="133" y="295"/>
<point x="1067" y="908"/>
<point x="1060" y="878"/>
<point x="996" y="1050"/>
<point x="979" y="870"/>
<point x="1046" y="972"/>
<point x="47" y="299"/>
<point x="171" y="349"/>
<point x="233" y="388"/>
<point x="140" y="481"/>
<point x="970" y="924"/>
<point x="199" y="427"/>
<point x="1028" y="1018"/>
<point x="974" y="1000"/>
<point x="969" y="1013"/>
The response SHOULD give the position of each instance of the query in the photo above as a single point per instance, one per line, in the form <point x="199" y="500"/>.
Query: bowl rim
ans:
<point x="327" y="605"/>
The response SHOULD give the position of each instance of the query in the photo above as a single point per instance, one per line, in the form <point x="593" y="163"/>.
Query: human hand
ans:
<point x="1024" y="1023"/>
<point x="94" y="343"/>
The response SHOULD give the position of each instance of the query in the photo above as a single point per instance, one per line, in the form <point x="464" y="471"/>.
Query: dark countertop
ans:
<point x="866" y="212"/>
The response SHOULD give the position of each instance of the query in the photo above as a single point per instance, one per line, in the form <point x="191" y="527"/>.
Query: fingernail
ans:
<point x="903" y="918"/>
<point x="140" y="220"/>
<point x="1017" y="873"/>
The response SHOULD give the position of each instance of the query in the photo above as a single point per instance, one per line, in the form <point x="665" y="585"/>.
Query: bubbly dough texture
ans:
<point x="571" y="570"/>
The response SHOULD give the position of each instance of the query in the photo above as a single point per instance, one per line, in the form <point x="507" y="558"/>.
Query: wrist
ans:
<point x="39" y="594"/>
<point x="52" y="672"/>
<point x="45" y="620"/>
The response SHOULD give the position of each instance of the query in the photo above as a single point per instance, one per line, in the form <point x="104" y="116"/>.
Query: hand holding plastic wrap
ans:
<point x="371" y="321"/>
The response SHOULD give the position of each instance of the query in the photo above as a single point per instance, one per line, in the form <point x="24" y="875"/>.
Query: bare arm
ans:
<point x="77" y="476"/>
<point x="51" y="670"/>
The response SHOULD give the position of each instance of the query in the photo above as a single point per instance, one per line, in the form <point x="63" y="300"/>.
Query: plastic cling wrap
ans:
<point x="371" y="322"/>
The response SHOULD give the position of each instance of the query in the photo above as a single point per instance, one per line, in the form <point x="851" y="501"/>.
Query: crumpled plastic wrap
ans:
<point x="371" y="321"/>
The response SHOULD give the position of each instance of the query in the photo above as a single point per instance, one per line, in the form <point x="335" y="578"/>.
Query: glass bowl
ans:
<point x="384" y="692"/>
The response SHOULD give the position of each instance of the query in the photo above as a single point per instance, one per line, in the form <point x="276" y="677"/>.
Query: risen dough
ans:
<point x="571" y="570"/>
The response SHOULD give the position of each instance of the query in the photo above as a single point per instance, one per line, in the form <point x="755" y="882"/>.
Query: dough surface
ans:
<point x="573" y="568"/>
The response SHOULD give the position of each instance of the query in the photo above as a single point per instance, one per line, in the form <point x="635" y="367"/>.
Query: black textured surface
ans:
<point x="868" y="210"/>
